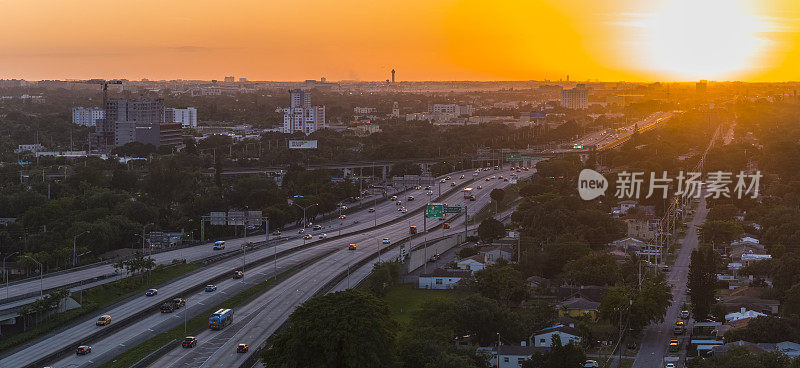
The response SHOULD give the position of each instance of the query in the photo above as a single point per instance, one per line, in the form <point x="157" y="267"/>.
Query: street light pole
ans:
<point x="6" y="271"/>
<point x="74" y="242"/>
<point x="41" y="274"/>
<point x="304" y="211"/>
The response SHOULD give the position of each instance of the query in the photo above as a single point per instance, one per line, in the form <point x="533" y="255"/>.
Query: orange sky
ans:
<point x="423" y="39"/>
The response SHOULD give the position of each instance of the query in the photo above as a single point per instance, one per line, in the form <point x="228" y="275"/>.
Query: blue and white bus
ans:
<point x="221" y="318"/>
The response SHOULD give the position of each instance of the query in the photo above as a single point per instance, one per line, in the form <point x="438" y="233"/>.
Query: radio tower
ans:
<point x="392" y="76"/>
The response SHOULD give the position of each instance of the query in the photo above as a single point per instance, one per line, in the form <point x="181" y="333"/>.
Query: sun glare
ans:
<point x="702" y="39"/>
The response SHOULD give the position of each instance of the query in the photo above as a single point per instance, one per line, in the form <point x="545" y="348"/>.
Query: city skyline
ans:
<point x="359" y="40"/>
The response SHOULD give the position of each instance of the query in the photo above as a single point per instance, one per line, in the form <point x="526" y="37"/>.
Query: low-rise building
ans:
<point x="472" y="263"/>
<point x="442" y="279"/>
<point x="577" y="307"/>
<point x="544" y="337"/>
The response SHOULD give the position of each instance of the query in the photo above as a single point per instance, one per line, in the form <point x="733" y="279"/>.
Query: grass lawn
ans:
<point x="97" y="298"/>
<point x="626" y="363"/>
<point x="404" y="299"/>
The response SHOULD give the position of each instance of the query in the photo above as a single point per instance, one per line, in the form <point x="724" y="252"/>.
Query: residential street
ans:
<point x="654" y="343"/>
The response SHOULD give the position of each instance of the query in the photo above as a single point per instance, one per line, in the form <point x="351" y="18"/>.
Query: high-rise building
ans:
<point x="575" y="98"/>
<point x="396" y="109"/>
<point x="187" y="117"/>
<point x="301" y="116"/>
<point x="457" y="110"/>
<point x="140" y="120"/>
<point x="392" y="75"/>
<point x="87" y="116"/>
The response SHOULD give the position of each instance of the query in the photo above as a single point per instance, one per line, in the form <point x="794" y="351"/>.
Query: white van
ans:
<point x="219" y="245"/>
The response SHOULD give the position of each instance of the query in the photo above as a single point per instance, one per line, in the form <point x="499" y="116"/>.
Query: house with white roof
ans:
<point x="472" y="263"/>
<point x="742" y="314"/>
<point x="442" y="279"/>
<point x="544" y="337"/>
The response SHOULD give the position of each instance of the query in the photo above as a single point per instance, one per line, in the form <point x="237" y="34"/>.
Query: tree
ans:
<point x="592" y="269"/>
<point x="491" y="229"/>
<point x="702" y="280"/>
<point x="383" y="275"/>
<point x="344" y="329"/>
<point x="497" y="196"/>
<point x="467" y="252"/>
<point x="559" y="356"/>
<point x="720" y="231"/>
<point x="502" y="283"/>
<point x="791" y="301"/>
<point x="766" y="329"/>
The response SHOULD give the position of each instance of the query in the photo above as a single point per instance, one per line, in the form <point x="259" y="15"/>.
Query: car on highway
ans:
<point x="472" y="198"/>
<point x="151" y="292"/>
<point x="442" y="181"/>
<point x="317" y="227"/>
<point x="452" y="184"/>
<point x="189" y="342"/>
<point x="410" y="198"/>
<point x="674" y="345"/>
<point x="323" y="236"/>
<point x="301" y="231"/>
<point x="83" y="350"/>
<point x="474" y="174"/>
<point x="446" y="225"/>
<point x="210" y="288"/>
<point x="462" y="177"/>
<point x="680" y="328"/>
<point x="447" y="178"/>
<point x="276" y="232"/>
<point x="399" y="203"/>
<point x="394" y="198"/>
<point x="104" y="320"/>
<point x="480" y="186"/>
<point x="412" y="229"/>
<point x="685" y="314"/>
<point x="342" y="217"/>
<point x="434" y="258"/>
<point x="487" y="179"/>
<point x="427" y="187"/>
<point x="403" y="210"/>
<point x="400" y="208"/>
<point x="591" y="364"/>
<point x="371" y="210"/>
<point x="352" y="247"/>
<point x="385" y="240"/>
<point x="430" y="192"/>
<point x="418" y="187"/>
<point x="670" y="365"/>
<point x="307" y="236"/>
<point x="242" y="348"/>
<point x="238" y="275"/>
<point x="167" y="307"/>
<point x="179" y="302"/>
<point x="218" y="245"/>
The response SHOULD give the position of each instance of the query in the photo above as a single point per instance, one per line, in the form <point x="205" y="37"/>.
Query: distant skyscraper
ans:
<point x="575" y="98"/>
<point x="87" y="116"/>
<point x="392" y="75"/>
<point x="141" y="120"/>
<point x="301" y="116"/>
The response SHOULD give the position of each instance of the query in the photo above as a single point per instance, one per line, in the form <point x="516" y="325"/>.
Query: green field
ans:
<point x="404" y="299"/>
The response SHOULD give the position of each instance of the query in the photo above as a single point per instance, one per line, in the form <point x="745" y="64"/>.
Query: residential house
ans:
<point x="537" y="282"/>
<point x="739" y="302"/>
<point x="544" y="337"/>
<point x="496" y="252"/>
<point x="442" y="279"/>
<point x="642" y="226"/>
<point x="742" y="314"/>
<point x="508" y="356"/>
<point x="623" y="208"/>
<point x="472" y="263"/>
<point x="578" y="306"/>
<point x="628" y="244"/>
<point x="747" y="240"/>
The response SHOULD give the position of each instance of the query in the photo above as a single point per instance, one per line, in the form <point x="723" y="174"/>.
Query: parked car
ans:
<point x="242" y="348"/>
<point x="219" y="245"/>
<point x="591" y="364"/>
<point x="104" y="320"/>
<point x="210" y="288"/>
<point x="685" y="314"/>
<point x="189" y="342"/>
<point x="83" y="350"/>
<point x="151" y="292"/>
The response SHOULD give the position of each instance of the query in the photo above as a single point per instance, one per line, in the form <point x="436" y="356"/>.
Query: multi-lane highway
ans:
<point x="89" y="275"/>
<point x="257" y="320"/>
<point x="130" y="335"/>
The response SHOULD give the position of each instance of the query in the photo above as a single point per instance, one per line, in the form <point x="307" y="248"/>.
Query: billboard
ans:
<point x="236" y="217"/>
<point x="296" y="144"/>
<point x="218" y="218"/>
<point x="253" y="217"/>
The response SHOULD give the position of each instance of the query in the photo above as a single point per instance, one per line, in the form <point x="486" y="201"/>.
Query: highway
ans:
<point x="257" y="320"/>
<point x="128" y="336"/>
<point x="352" y="222"/>
<point x="657" y="335"/>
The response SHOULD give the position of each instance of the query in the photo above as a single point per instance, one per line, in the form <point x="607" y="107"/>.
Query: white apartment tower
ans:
<point x="187" y="117"/>
<point x="87" y="116"/>
<point x="301" y="116"/>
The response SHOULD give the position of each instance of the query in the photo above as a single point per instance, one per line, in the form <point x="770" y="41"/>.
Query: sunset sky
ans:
<point x="638" y="40"/>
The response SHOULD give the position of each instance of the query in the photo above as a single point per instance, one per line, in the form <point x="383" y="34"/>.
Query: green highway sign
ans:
<point x="518" y="158"/>
<point x="452" y="209"/>
<point x="435" y="210"/>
